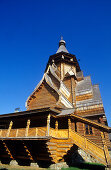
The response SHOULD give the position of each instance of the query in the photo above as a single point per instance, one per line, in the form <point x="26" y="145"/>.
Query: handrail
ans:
<point x="87" y="139"/>
<point x="89" y="146"/>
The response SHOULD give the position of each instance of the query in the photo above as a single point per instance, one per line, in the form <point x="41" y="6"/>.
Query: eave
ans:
<point x="55" y="56"/>
<point x="29" y="112"/>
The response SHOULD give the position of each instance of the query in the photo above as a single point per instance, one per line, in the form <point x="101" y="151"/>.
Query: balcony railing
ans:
<point x="33" y="132"/>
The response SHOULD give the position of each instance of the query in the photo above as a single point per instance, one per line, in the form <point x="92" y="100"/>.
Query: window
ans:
<point x="88" y="129"/>
<point x="75" y="126"/>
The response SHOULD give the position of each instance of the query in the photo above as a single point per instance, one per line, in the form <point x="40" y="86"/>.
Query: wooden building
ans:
<point x="65" y="116"/>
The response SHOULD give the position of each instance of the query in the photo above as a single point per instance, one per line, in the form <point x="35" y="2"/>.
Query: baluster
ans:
<point x="36" y="133"/>
<point x="27" y="128"/>
<point x="9" y="129"/>
<point x="1" y="132"/>
<point x="16" y="132"/>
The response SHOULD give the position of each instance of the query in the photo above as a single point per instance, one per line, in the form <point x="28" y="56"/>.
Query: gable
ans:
<point x="45" y="97"/>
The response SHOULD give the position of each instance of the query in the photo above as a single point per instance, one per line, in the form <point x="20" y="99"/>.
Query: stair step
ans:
<point x="64" y="146"/>
<point x="51" y="143"/>
<point x="62" y="150"/>
<point x="53" y="152"/>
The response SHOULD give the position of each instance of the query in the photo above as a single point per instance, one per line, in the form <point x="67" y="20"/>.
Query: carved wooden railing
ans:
<point x="60" y="133"/>
<point x="3" y="132"/>
<point x="33" y="132"/>
<point x="21" y="132"/>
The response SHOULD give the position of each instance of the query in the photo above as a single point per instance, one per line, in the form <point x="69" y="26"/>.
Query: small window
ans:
<point x="75" y="126"/>
<point x="88" y="129"/>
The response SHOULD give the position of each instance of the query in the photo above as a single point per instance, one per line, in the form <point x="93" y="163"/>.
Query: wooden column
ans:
<point x="9" y="129"/>
<point x="69" y="127"/>
<point x="56" y="127"/>
<point x="48" y="125"/>
<point x="73" y="90"/>
<point x="27" y="128"/>
<point x="106" y="152"/>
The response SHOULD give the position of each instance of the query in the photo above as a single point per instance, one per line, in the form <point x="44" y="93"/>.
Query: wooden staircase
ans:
<point x="89" y="147"/>
<point x="59" y="147"/>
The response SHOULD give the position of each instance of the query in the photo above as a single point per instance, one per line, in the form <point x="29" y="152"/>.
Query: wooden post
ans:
<point x="48" y="125"/>
<point x="86" y="143"/>
<point x="0" y="132"/>
<point x="36" y="132"/>
<point x="69" y="127"/>
<point x="9" y="129"/>
<point x="27" y="128"/>
<point x="56" y="127"/>
<point x="106" y="152"/>
<point x="16" y="132"/>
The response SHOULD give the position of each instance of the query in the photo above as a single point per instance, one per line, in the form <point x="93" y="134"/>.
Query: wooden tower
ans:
<point x="65" y="117"/>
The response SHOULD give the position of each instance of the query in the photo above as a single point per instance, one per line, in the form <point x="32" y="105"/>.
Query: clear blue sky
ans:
<point x="29" y="33"/>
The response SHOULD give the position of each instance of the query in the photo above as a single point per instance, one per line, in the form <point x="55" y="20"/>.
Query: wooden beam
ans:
<point x="7" y="150"/>
<point x="27" y="151"/>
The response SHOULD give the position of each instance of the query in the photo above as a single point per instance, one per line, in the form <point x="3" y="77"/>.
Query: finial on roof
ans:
<point x="61" y="37"/>
<point x="62" y="46"/>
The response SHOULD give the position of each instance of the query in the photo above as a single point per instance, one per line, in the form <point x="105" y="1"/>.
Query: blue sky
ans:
<point x="29" y="33"/>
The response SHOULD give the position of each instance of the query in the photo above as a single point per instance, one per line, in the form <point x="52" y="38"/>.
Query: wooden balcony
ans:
<point x="55" y="137"/>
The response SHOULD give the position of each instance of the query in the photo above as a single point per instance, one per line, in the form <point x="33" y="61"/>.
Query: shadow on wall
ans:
<point x="73" y="156"/>
<point x="75" y="160"/>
